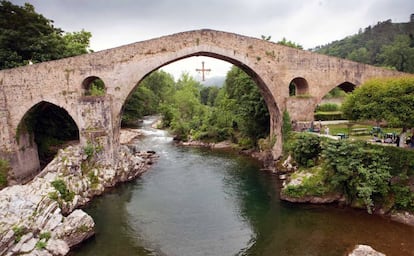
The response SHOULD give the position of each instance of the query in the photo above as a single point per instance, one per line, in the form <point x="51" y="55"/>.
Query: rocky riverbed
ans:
<point x="43" y="217"/>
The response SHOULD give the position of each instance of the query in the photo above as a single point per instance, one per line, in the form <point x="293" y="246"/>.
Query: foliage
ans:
<point x="328" y="107"/>
<point x="286" y="125"/>
<point x="385" y="44"/>
<point x="266" y="144"/>
<point x="45" y="235"/>
<point x="403" y="196"/>
<point x="399" y="54"/>
<point x="390" y="99"/>
<point x="96" y="88"/>
<point x="19" y="231"/>
<point x="400" y="160"/>
<point x="314" y="185"/>
<point x="28" y="36"/>
<point x="306" y="149"/>
<point x="335" y="93"/>
<point x="147" y="97"/>
<point x="359" y="171"/>
<point x="235" y="112"/>
<point x="64" y="192"/>
<point x="290" y="44"/>
<point x="4" y="170"/>
<point x="328" y="116"/>
<point x="249" y="111"/>
<point x="93" y="179"/>
<point x="90" y="150"/>
<point x="40" y="245"/>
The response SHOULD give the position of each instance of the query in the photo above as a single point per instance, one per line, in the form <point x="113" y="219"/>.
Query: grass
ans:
<point x="344" y="128"/>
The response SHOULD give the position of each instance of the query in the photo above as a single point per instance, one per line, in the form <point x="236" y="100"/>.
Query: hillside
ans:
<point x="385" y="44"/>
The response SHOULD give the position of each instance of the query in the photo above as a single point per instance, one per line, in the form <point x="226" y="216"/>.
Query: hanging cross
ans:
<point x="203" y="70"/>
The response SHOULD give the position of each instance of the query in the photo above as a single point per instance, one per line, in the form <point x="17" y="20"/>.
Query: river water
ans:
<point x="199" y="202"/>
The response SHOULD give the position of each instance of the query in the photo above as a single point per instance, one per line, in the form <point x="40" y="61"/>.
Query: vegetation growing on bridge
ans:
<point x="4" y="170"/>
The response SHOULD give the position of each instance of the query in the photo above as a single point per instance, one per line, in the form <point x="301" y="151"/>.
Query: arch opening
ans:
<point x="347" y="87"/>
<point x="93" y="86"/>
<point x="298" y="86"/>
<point x="45" y="129"/>
<point x="329" y="108"/>
<point x="208" y="96"/>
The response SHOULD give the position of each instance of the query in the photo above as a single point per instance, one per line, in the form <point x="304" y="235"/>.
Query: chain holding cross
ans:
<point x="203" y="70"/>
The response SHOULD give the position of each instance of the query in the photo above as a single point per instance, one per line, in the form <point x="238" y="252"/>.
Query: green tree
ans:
<point x="76" y="43"/>
<point x="183" y="111"/>
<point x="147" y="97"/>
<point x="360" y="55"/>
<point x="28" y="36"/>
<point x="389" y="99"/>
<point x="399" y="54"/>
<point x="251" y="116"/>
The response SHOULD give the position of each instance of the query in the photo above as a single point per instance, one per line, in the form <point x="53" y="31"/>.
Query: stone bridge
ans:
<point x="64" y="83"/>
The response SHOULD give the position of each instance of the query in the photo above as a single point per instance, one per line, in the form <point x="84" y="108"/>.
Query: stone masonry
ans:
<point x="60" y="82"/>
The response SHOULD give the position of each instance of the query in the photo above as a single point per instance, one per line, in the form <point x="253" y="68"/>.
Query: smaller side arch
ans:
<point x="42" y="130"/>
<point x="93" y="86"/>
<point x="298" y="86"/>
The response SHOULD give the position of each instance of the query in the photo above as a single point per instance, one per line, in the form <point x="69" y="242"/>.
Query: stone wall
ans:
<point x="300" y="108"/>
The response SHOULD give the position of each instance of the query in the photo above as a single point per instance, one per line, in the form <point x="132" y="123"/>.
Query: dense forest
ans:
<point x="385" y="44"/>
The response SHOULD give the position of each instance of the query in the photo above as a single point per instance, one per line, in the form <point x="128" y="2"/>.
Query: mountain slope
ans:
<point x="385" y="44"/>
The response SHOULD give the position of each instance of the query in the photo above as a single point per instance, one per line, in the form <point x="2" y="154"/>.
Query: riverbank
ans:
<point x="43" y="217"/>
<point x="403" y="217"/>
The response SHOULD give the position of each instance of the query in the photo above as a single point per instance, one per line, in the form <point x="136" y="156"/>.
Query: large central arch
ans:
<point x="272" y="106"/>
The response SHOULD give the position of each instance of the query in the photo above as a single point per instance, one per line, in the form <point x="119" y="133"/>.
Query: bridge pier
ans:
<point x="97" y="128"/>
<point x="295" y="106"/>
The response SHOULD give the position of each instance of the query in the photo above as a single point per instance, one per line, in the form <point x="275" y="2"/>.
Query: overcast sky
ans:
<point x="307" y="22"/>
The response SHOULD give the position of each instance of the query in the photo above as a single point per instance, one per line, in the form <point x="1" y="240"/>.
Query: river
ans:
<point x="201" y="202"/>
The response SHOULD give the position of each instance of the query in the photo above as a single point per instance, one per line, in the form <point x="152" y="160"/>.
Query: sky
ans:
<point x="307" y="22"/>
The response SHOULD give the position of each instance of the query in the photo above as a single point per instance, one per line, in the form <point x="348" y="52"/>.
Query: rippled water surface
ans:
<point x="199" y="202"/>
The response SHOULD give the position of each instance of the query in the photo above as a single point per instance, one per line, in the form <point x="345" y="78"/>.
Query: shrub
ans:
<point x="310" y="186"/>
<point x="40" y="245"/>
<point x="45" y="235"/>
<point x="93" y="179"/>
<point x="19" y="231"/>
<point x="328" y="107"/>
<point x="64" y="192"/>
<point x="328" y="116"/>
<point x="400" y="160"/>
<point x="306" y="147"/>
<point x="360" y="171"/>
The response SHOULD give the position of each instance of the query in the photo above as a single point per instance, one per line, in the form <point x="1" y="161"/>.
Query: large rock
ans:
<point x="403" y="217"/>
<point x="75" y="228"/>
<point x="365" y="250"/>
<point x="37" y="207"/>
<point x="57" y="247"/>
